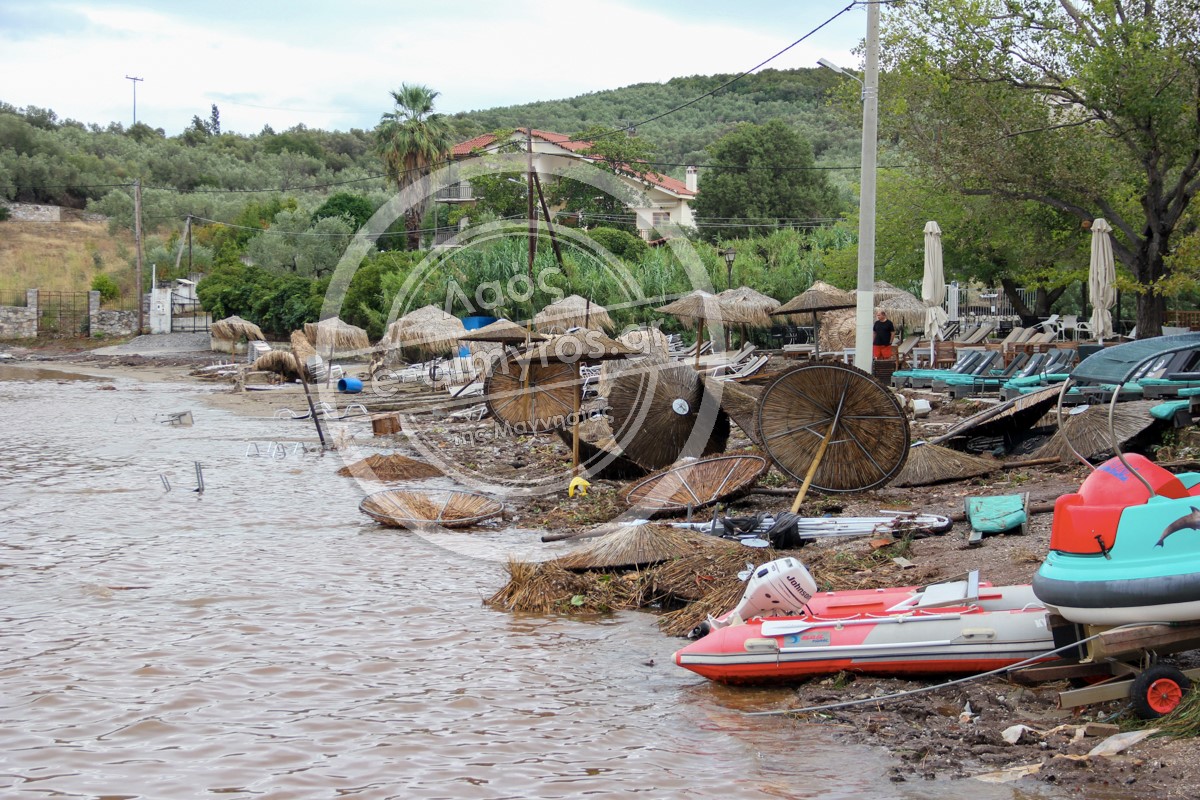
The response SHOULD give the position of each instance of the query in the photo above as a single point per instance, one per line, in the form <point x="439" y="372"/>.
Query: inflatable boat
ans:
<point x="783" y="630"/>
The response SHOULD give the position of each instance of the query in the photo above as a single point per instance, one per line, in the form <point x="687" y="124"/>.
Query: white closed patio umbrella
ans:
<point x="1102" y="274"/>
<point x="933" y="283"/>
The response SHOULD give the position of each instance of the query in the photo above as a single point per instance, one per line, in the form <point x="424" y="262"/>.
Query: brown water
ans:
<point x="264" y="639"/>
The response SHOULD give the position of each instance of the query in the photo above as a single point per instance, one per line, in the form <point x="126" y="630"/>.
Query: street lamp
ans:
<point x="832" y="67"/>
<point x="730" y="254"/>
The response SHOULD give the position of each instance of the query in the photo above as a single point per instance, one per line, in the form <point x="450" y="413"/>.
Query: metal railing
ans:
<point x="455" y="191"/>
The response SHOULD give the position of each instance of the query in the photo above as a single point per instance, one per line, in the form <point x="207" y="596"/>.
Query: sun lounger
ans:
<point x="970" y="362"/>
<point x="991" y="381"/>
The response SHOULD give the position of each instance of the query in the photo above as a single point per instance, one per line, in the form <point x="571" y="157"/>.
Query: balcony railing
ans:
<point x="455" y="192"/>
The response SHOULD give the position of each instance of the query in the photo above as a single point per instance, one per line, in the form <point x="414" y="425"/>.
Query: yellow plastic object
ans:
<point x="578" y="484"/>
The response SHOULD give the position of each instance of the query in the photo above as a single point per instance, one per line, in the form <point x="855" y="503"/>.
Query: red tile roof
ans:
<point x="464" y="149"/>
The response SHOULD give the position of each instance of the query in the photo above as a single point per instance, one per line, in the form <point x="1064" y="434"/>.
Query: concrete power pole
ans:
<point x="135" y="83"/>
<point x="137" y="243"/>
<point x="865" y="312"/>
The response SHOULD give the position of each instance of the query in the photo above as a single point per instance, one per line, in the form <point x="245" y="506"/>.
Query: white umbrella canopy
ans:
<point x="933" y="282"/>
<point x="1102" y="274"/>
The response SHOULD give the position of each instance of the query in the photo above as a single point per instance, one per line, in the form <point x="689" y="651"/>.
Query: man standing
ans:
<point x="884" y="331"/>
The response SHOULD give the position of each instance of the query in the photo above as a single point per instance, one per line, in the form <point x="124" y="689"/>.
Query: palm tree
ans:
<point x="411" y="139"/>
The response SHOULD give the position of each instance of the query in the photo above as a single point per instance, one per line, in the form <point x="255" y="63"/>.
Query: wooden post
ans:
<point x="549" y="227"/>
<point x="578" y="403"/>
<point x="311" y="408"/>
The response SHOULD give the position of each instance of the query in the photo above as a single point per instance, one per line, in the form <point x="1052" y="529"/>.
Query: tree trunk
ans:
<point x="412" y="224"/>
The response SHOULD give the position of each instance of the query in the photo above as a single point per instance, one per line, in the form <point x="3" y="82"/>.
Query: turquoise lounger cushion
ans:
<point x="1166" y="411"/>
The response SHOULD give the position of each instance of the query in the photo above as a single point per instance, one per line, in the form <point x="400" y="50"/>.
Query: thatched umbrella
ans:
<point x="819" y="297"/>
<point x="833" y="427"/>
<point x="902" y="307"/>
<point x="740" y="402"/>
<point x="930" y="463"/>
<point x="1012" y="416"/>
<point x="600" y="455"/>
<point x="636" y="545"/>
<point x="503" y="331"/>
<point x="303" y="352"/>
<point x="744" y="300"/>
<point x="651" y="347"/>
<point x="573" y="350"/>
<point x="701" y="306"/>
<point x="1086" y="428"/>
<point x="694" y="484"/>
<point x="428" y="329"/>
<point x="572" y="311"/>
<point x="416" y="508"/>
<point x="280" y="362"/>
<point x="529" y="396"/>
<point x="234" y="329"/>
<point x="335" y="337"/>
<point x="661" y="412"/>
<point x="394" y="467"/>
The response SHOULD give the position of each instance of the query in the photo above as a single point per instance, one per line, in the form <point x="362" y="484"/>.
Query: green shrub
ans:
<point x="621" y="244"/>
<point x="106" y="286"/>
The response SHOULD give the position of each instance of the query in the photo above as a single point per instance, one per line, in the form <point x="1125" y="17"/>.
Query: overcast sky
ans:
<point x="331" y="65"/>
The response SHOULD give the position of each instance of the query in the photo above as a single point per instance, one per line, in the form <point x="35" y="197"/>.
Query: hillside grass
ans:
<point x="61" y="256"/>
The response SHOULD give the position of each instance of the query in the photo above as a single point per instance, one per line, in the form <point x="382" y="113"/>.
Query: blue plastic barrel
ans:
<point x="349" y="385"/>
<point x="474" y="324"/>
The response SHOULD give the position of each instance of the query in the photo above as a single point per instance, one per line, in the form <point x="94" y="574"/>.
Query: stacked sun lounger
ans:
<point x="970" y="362"/>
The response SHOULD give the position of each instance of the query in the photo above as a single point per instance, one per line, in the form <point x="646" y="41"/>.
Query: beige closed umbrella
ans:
<point x="1102" y="275"/>
<point x="933" y="282"/>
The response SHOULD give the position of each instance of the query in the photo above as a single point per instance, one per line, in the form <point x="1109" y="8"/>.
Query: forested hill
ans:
<point x="65" y="162"/>
<point x="800" y="97"/>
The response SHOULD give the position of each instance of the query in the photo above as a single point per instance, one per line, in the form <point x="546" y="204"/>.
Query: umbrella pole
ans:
<point x="812" y="468"/>
<point x="816" y="337"/>
<point x="699" y="334"/>
<point x="577" y="402"/>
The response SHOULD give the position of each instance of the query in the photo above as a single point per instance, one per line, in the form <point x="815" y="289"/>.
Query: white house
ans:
<point x="664" y="199"/>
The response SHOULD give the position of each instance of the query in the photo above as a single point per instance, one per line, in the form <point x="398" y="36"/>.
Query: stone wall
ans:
<point x="109" y="323"/>
<point x="32" y="212"/>
<point x="17" y="322"/>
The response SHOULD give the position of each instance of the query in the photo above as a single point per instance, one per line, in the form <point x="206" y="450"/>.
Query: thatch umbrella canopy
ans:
<point x="650" y="346"/>
<point x="1087" y="429"/>
<point x="428" y="329"/>
<point x="394" y="467"/>
<point x="303" y="352"/>
<point x="334" y="336"/>
<point x="503" y="331"/>
<point x="930" y="463"/>
<point x="600" y="455"/>
<point x="902" y="307"/>
<point x="744" y="301"/>
<point x="416" y="508"/>
<point x="280" y="362"/>
<point x="818" y="298"/>
<point x="740" y="402"/>
<point x="697" y="483"/>
<point x="659" y="414"/>
<point x="700" y="306"/>
<point x="531" y="396"/>
<point x="834" y="427"/>
<point x="578" y="346"/>
<point x="572" y="311"/>
<point x="232" y="329"/>
<point x="1012" y="416"/>
<point x="636" y="545"/>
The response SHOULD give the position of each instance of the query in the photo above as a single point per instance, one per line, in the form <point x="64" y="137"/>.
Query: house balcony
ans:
<point x="460" y="192"/>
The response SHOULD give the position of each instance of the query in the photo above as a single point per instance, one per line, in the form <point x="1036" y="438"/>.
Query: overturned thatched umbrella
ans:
<point x="529" y="396"/>
<point x="572" y="311"/>
<point x="419" y="508"/>
<point x="635" y="545"/>
<point x="819" y="297"/>
<point x="694" y="484"/>
<point x="650" y="346"/>
<point x="1012" y="416"/>
<point x="930" y="463"/>
<point x="546" y="587"/>
<point x="281" y="362"/>
<point x="234" y="329"/>
<point x="394" y="467"/>
<point x="740" y="402"/>
<point x="304" y="354"/>
<point x="428" y="329"/>
<point x="599" y="454"/>
<point x="834" y="428"/>
<point x="332" y="336"/>
<point x="1087" y="429"/>
<point x="661" y="412"/>
<point x="700" y="306"/>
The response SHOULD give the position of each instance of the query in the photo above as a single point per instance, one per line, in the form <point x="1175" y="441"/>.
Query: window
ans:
<point x="661" y="217"/>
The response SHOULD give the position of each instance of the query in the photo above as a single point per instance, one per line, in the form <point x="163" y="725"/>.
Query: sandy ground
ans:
<point x="929" y="734"/>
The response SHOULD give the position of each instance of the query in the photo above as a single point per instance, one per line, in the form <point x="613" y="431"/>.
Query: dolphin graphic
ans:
<point x="1185" y="522"/>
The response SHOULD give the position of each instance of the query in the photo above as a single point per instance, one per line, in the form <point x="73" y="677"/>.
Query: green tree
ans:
<point x="762" y="176"/>
<point x="1088" y="107"/>
<point x="354" y="208"/>
<point x="411" y="140"/>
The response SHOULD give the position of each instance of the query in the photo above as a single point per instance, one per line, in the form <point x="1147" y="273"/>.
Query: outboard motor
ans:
<point x="779" y="587"/>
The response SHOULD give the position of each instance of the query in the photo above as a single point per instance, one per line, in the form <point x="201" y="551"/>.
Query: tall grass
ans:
<point x="62" y="256"/>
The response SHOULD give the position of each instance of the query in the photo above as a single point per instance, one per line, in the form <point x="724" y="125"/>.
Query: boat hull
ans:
<point x="1005" y="626"/>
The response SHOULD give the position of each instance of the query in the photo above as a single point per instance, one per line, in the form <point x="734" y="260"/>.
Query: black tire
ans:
<point x="1158" y="691"/>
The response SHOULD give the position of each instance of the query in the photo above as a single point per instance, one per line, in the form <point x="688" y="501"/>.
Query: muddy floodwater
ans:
<point x="263" y="639"/>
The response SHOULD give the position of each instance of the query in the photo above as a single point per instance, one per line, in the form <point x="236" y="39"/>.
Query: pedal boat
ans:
<point x="954" y="628"/>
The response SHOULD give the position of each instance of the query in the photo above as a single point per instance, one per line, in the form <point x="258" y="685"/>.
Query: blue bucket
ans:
<point x="349" y="385"/>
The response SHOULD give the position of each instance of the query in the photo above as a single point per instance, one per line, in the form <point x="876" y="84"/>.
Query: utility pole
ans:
<point x="137" y="243"/>
<point x="135" y="83"/>
<point x="865" y="311"/>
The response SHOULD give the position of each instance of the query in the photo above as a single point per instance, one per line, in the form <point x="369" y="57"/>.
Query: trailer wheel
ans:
<point x="1158" y="691"/>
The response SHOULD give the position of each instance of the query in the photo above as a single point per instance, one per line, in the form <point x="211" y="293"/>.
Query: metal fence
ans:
<point x="187" y="316"/>
<point x="62" y="313"/>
